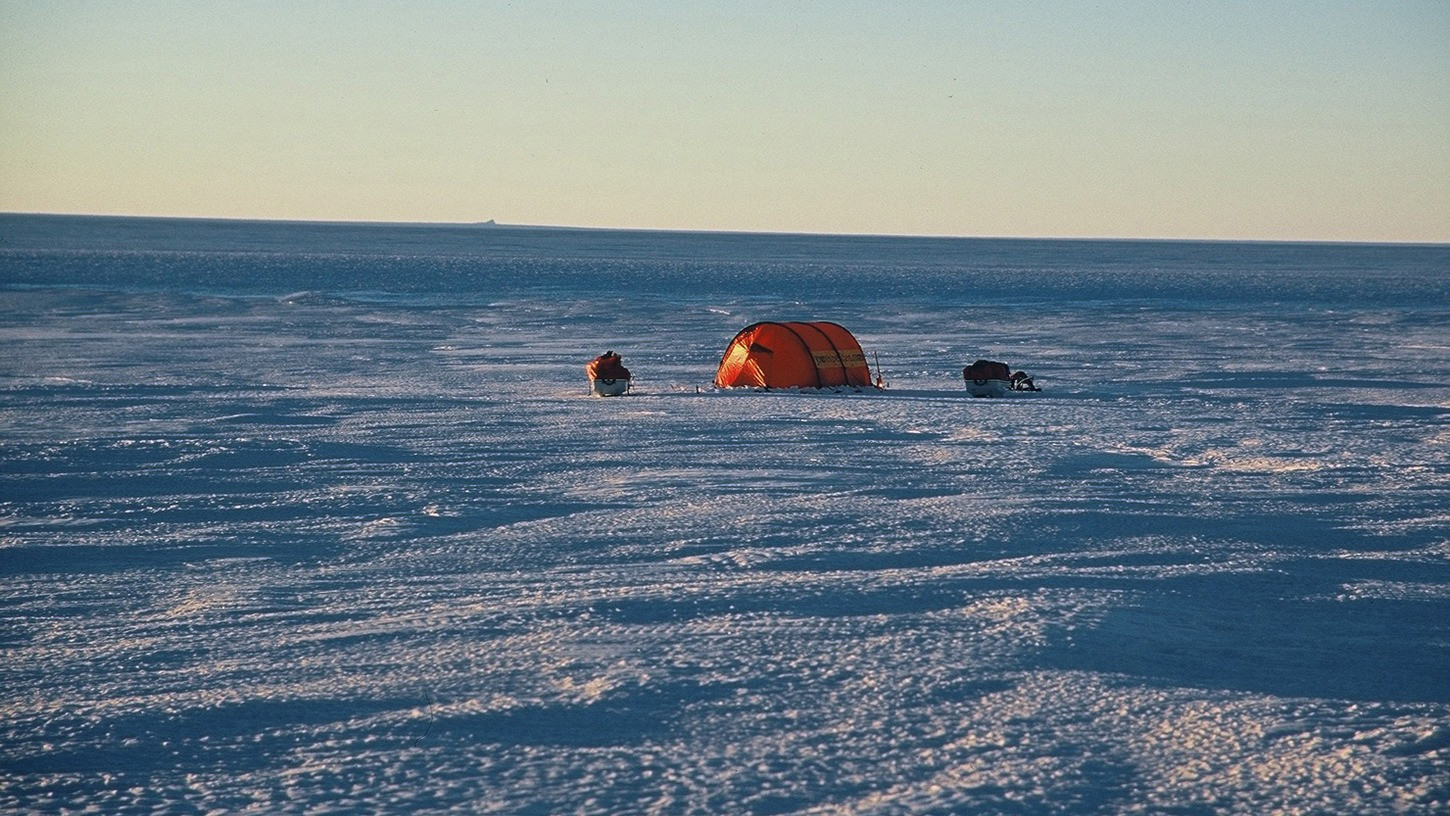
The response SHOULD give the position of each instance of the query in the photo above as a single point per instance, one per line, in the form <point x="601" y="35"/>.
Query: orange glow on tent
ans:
<point x="793" y="355"/>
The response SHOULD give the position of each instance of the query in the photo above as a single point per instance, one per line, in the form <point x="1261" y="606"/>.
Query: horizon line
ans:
<point x="494" y="224"/>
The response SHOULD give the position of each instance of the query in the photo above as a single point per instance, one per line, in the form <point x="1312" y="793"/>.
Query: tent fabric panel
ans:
<point x="790" y="365"/>
<point x="736" y="367"/>
<point x="853" y="358"/>
<point x="830" y="369"/>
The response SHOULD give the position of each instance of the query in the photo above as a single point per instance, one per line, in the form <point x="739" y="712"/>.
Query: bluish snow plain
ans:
<point x="316" y="554"/>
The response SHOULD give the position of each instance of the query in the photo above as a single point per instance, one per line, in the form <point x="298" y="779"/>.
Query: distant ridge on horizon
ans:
<point x="493" y="223"/>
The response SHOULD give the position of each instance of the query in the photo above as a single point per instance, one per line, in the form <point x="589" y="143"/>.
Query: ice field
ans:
<point x="319" y="519"/>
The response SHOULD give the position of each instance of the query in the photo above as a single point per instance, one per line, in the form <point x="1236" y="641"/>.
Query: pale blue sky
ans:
<point x="1272" y="119"/>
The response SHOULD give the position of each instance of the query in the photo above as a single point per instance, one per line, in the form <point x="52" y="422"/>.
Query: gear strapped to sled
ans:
<point x="607" y="375"/>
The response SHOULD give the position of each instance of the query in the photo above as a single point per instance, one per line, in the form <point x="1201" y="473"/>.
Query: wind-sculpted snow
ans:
<point x="309" y="553"/>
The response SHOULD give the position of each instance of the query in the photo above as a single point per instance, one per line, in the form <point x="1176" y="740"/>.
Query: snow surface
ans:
<point x="317" y="552"/>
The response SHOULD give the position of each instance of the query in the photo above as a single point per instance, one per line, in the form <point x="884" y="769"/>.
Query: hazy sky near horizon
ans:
<point x="1255" y="119"/>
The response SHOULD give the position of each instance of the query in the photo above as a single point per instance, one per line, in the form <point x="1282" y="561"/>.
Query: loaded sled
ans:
<point x="607" y="375"/>
<point x="988" y="378"/>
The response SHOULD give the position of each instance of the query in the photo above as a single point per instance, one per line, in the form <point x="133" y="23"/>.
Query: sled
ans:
<point x="607" y="375"/>
<point x="605" y="387"/>
<point x="986" y="378"/>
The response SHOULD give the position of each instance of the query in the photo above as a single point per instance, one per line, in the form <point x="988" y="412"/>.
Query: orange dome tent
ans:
<point x="793" y="355"/>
